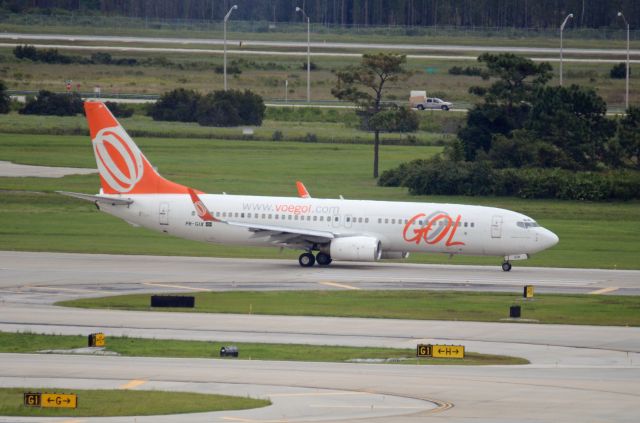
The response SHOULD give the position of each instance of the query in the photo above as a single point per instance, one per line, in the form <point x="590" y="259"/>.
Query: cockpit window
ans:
<point x="527" y="224"/>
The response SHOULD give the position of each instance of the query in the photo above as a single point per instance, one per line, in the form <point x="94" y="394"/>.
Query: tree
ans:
<point x="364" y="85"/>
<point x="507" y="101"/>
<point x="629" y="136"/>
<point x="5" y="101"/>
<point x="573" y="120"/>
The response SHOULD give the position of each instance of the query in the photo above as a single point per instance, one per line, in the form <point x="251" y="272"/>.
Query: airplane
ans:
<point x="336" y="229"/>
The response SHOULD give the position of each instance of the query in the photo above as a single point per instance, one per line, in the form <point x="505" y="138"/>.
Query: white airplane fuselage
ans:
<point x="399" y="226"/>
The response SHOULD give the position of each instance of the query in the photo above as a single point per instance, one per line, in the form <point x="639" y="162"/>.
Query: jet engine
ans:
<point x="355" y="248"/>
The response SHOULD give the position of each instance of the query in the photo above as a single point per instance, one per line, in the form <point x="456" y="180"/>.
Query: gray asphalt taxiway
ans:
<point x="577" y="373"/>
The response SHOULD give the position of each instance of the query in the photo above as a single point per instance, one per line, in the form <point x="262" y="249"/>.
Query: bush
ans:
<point x="48" y="103"/>
<point x="619" y="71"/>
<point x="177" y="105"/>
<point x="277" y="136"/>
<point x="119" y="110"/>
<point x="443" y="177"/>
<point x="310" y="137"/>
<point x="312" y="65"/>
<point x="48" y="55"/>
<point x="5" y="100"/>
<point x="469" y="71"/>
<point x="230" y="108"/>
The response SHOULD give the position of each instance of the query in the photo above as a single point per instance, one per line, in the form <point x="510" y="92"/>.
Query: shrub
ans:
<point x="443" y="177"/>
<point x="619" y="71"/>
<point x="177" y="105"/>
<point x="310" y="137"/>
<point x="230" y="108"/>
<point x="48" y="103"/>
<point x="5" y="100"/>
<point x="48" y="55"/>
<point x="119" y="110"/>
<point x="277" y="136"/>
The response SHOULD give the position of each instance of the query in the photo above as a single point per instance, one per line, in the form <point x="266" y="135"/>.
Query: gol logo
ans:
<point x="437" y="226"/>
<point x="122" y="165"/>
<point x="201" y="209"/>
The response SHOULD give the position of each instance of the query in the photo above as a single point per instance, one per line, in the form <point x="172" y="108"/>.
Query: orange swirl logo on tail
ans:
<point x="437" y="226"/>
<point x="119" y="160"/>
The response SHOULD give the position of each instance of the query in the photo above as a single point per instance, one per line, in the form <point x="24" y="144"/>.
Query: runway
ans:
<point x="577" y="373"/>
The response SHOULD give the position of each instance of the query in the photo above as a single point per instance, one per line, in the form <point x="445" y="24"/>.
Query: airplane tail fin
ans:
<point x="122" y="166"/>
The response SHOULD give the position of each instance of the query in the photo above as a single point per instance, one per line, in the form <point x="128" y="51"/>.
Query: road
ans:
<point x="577" y="373"/>
<point x="318" y="49"/>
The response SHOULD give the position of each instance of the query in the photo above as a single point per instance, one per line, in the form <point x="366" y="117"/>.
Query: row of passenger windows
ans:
<point x="422" y="222"/>
<point x="348" y="219"/>
<point x="315" y="218"/>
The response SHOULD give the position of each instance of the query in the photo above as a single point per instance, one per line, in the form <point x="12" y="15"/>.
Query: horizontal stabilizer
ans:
<point x="98" y="198"/>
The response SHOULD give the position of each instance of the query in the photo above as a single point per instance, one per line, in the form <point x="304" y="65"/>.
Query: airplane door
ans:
<point x="496" y="227"/>
<point x="163" y="213"/>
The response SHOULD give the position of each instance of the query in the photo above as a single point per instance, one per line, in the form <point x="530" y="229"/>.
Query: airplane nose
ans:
<point x="549" y="239"/>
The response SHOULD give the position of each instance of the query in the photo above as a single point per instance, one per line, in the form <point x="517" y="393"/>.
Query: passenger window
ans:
<point x="315" y="218"/>
<point x="348" y="219"/>
<point x="386" y="221"/>
<point x="465" y="224"/>
<point x="472" y="224"/>
<point x="393" y="221"/>
<point x="269" y="216"/>
<point x="290" y="217"/>
<point x="242" y="215"/>
<point x="366" y="220"/>
<point x="321" y="218"/>
<point x="379" y="220"/>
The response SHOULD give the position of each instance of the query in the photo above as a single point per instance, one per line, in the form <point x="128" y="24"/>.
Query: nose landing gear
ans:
<point x="506" y="266"/>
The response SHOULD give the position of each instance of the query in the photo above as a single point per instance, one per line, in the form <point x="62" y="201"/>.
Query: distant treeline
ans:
<point x="464" y="13"/>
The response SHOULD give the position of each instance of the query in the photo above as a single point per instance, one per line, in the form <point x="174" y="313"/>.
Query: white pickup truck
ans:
<point x="419" y="100"/>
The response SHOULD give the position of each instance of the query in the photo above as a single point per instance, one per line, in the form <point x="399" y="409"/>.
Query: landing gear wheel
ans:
<point x="506" y="266"/>
<point x="323" y="259"/>
<point x="306" y="260"/>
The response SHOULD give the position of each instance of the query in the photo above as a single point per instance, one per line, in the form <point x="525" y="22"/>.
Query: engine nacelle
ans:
<point x="355" y="248"/>
<point x="394" y="255"/>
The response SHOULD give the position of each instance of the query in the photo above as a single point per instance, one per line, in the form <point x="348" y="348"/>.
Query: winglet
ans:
<point x="302" y="190"/>
<point x="201" y="209"/>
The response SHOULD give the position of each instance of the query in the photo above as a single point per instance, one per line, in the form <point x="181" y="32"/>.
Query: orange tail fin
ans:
<point x="122" y="166"/>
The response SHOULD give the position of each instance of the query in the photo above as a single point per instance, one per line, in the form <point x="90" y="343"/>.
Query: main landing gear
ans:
<point x="308" y="260"/>
<point x="506" y="266"/>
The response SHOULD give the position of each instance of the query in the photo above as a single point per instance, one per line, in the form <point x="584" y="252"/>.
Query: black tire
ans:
<point x="445" y="108"/>
<point x="323" y="259"/>
<point x="506" y="266"/>
<point x="306" y="260"/>
<point x="420" y="107"/>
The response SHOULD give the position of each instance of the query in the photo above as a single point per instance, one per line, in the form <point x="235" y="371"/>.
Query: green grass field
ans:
<point x="602" y="235"/>
<point x="124" y="402"/>
<point x="413" y="305"/>
<point x="140" y="347"/>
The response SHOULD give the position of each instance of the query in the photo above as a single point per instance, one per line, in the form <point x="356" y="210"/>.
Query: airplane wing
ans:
<point x="278" y="235"/>
<point x="98" y="198"/>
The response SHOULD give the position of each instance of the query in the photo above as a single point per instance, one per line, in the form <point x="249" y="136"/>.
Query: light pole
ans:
<point x="569" y="16"/>
<point x="298" y="9"/>
<point x="626" y="97"/>
<point x="226" y="18"/>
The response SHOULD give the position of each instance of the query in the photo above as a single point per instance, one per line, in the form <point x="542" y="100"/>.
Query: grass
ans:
<point x="108" y="403"/>
<point x="140" y="347"/>
<point x="36" y="219"/>
<point x="266" y="75"/>
<point x="414" y="305"/>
